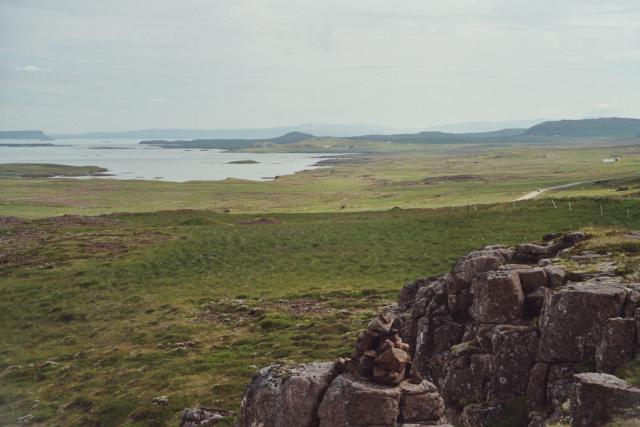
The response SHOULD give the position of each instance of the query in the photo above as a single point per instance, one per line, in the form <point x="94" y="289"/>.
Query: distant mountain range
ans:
<point x="25" y="135"/>
<point x="334" y="130"/>
<point x="231" y="144"/>
<point x="477" y="127"/>
<point x="547" y="132"/>
<point x="613" y="127"/>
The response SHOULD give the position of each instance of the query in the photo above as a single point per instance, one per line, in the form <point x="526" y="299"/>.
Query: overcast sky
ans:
<point x="75" y="65"/>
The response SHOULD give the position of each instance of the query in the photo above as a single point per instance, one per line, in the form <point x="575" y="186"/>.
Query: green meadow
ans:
<point x="428" y="176"/>
<point x="115" y="292"/>
<point x="101" y="314"/>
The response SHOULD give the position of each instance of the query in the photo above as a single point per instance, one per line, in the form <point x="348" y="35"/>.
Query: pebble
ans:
<point x="160" y="400"/>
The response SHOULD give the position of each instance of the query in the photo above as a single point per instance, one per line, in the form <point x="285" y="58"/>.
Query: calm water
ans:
<point x="126" y="159"/>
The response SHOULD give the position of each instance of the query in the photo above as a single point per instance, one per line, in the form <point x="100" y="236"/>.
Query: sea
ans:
<point x="127" y="159"/>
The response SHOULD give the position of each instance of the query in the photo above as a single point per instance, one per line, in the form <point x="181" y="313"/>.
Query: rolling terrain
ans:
<point x="552" y="132"/>
<point x="100" y="315"/>
<point x="118" y="292"/>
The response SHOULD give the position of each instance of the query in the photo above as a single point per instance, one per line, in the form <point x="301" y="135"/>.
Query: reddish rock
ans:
<point x="514" y="350"/>
<point x="420" y="402"/>
<point x="351" y="401"/>
<point x="462" y="378"/>
<point x="597" y="398"/>
<point x="572" y="319"/>
<point x="273" y="397"/>
<point x="638" y="326"/>
<point x="497" y="297"/>
<point x="529" y="252"/>
<point x="556" y="276"/>
<point x="632" y="302"/>
<point x="479" y="415"/>
<point x="617" y="344"/>
<point x="532" y="279"/>
<point x="483" y="336"/>
<point x="393" y="359"/>
<point x="537" y="386"/>
<point x="463" y="273"/>
<point x="408" y="293"/>
<point x="560" y="382"/>
<point x="534" y="301"/>
<point x="446" y="335"/>
<point x="381" y="324"/>
<point x="424" y="346"/>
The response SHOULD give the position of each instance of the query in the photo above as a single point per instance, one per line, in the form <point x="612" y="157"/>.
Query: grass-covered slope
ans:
<point x="612" y="127"/>
<point x="46" y="170"/>
<point x="438" y="176"/>
<point x="100" y="315"/>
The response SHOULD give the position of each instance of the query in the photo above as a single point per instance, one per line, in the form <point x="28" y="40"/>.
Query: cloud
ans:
<point x="602" y="109"/>
<point x="261" y="63"/>
<point x="34" y="69"/>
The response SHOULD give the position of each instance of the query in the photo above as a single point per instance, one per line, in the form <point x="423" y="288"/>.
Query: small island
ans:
<point x="48" y="170"/>
<point x="243" y="162"/>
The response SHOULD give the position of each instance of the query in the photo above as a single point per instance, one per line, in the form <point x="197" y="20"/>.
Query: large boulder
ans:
<point x="596" y="398"/>
<point x="532" y="279"/>
<point x="446" y="335"/>
<point x="537" y="386"/>
<point x="560" y="382"/>
<point x="408" y="292"/>
<point x="497" y="297"/>
<point x="274" y="397"/>
<point x="353" y="401"/>
<point x="462" y="378"/>
<point x="479" y="415"/>
<point x="617" y="344"/>
<point x="514" y="353"/>
<point x="633" y="301"/>
<point x="530" y="252"/>
<point x="572" y="319"/>
<point x="420" y="403"/>
<point x="464" y="271"/>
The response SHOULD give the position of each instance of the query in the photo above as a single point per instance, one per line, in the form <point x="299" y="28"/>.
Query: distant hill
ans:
<point x="335" y="130"/>
<point x="477" y="127"/>
<point x="231" y="144"/>
<point x="25" y="134"/>
<point x="431" y="137"/>
<point x="543" y="133"/>
<point x="612" y="127"/>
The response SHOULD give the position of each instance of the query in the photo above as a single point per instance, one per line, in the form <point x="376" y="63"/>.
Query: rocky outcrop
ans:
<point x="282" y="396"/>
<point x="354" y="401"/>
<point x="508" y="333"/>
<point x="596" y="398"/>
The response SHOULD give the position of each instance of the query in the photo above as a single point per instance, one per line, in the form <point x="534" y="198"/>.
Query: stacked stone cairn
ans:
<point x="380" y="353"/>
<point x="507" y="333"/>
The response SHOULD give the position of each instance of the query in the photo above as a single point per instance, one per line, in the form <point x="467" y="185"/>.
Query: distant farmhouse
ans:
<point x="612" y="160"/>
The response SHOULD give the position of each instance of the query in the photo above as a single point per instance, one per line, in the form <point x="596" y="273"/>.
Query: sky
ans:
<point x="78" y="65"/>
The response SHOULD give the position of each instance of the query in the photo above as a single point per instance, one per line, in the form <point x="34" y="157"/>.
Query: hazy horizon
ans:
<point x="75" y="66"/>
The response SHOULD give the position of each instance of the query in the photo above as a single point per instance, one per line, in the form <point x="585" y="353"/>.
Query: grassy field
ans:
<point x="424" y="177"/>
<point x="169" y="296"/>
<point x="100" y="315"/>
<point x="46" y="170"/>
